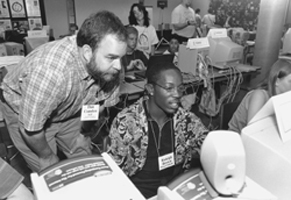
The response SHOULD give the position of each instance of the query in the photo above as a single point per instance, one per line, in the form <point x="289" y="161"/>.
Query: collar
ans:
<point x="81" y="67"/>
<point x="148" y="115"/>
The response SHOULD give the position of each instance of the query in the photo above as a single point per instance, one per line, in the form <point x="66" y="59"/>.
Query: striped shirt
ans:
<point x="52" y="83"/>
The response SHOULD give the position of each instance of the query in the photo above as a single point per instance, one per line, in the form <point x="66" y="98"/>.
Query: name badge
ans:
<point x="166" y="161"/>
<point x="90" y="112"/>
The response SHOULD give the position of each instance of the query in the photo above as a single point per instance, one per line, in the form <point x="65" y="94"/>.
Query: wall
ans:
<point x="121" y="8"/>
<point x="56" y="16"/>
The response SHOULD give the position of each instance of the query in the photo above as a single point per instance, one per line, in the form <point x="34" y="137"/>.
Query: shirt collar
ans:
<point x="81" y="67"/>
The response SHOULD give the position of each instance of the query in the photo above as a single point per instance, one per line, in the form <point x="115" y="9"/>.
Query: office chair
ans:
<point x="226" y="113"/>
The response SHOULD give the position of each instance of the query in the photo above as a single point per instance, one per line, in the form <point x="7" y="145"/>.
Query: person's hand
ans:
<point x="131" y="65"/>
<point x="82" y="143"/>
<point x="48" y="161"/>
<point x="192" y="23"/>
<point x="139" y="64"/>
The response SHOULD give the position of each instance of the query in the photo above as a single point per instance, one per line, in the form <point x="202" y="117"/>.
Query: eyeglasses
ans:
<point x="172" y="89"/>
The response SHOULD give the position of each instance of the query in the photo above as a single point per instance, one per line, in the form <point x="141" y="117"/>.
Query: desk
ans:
<point x="135" y="89"/>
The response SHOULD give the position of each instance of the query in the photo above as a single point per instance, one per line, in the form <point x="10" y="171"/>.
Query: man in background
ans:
<point x="183" y="21"/>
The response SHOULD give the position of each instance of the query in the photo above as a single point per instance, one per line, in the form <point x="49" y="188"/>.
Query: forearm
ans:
<point x="180" y="26"/>
<point x="37" y="142"/>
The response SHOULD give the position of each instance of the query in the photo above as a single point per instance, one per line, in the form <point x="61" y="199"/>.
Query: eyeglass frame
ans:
<point x="171" y="88"/>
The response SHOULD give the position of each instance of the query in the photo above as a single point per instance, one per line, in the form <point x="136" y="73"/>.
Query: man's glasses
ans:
<point x="172" y="89"/>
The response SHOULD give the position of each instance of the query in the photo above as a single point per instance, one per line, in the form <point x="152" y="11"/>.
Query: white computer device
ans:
<point x="89" y="177"/>
<point x="223" y="50"/>
<point x="223" y="173"/>
<point x="267" y="143"/>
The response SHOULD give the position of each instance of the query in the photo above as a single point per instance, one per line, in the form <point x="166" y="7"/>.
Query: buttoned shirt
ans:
<point x="51" y="83"/>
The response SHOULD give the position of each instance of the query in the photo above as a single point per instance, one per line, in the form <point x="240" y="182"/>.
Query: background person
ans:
<point x="134" y="59"/>
<point x="183" y="21"/>
<point x="46" y="92"/>
<point x="156" y="128"/>
<point x="147" y="35"/>
<point x="277" y="82"/>
<point x="173" y="49"/>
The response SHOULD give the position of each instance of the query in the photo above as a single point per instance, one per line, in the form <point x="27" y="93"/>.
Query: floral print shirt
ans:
<point x="129" y="137"/>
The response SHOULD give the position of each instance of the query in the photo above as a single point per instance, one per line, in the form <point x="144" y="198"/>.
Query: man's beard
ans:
<point x="107" y="81"/>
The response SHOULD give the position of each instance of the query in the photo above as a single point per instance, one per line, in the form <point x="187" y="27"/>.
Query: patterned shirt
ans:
<point x="129" y="137"/>
<point x="51" y="83"/>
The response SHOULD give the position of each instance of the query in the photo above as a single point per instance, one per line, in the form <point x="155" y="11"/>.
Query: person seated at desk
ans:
<point x="278" y="81"/>
<point x="154" y="129"/>
<point x="173" y="49"/>
<point x="134" y="58"/>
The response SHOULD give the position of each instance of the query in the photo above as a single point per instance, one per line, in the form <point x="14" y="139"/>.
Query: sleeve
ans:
<point x="10" y="179"/>
<point x="175" y="16"/>
<point x="153" y="33"/>
<point x="197" y="132"/>
<point x="42" y="93"/>
<point x="118" y="150"/>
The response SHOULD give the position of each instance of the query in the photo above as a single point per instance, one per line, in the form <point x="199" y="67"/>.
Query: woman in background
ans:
<point x="277" y="82"/>
<point x="147" y="36"/>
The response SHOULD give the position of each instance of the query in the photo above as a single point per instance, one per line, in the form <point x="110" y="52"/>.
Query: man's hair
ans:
<point x="132" y="19"/>
<point x="131" y="30"/>
<point x="154" y="72"/>
<point x="99" y="25"/>
<point x="197" y="11"/>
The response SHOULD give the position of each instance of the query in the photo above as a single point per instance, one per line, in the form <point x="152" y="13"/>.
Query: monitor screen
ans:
<point x="287" y="42"/>
<point x="224" y="51"/>
<point x="268" y="158"/>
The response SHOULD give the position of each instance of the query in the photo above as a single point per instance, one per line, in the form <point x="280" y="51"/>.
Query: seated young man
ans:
<point x="11" y="186"/>
<point x="134" y="58"/>
<point x="173" y="49"/>
<point x="154" y="129"/>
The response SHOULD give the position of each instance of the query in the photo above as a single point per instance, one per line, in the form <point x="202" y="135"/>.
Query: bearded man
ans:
<point x="61" y="84"/>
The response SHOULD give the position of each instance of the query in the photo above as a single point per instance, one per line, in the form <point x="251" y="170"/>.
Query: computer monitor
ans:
<point x="268" y="158"/>
<point x="32" y="43"/>
<point x="287" y="42"/>
<point x="224" y="51"/>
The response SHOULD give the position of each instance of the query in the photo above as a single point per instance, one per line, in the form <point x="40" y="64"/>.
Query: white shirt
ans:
<point x="147" y="36"/>
<point x="181" y="14"/>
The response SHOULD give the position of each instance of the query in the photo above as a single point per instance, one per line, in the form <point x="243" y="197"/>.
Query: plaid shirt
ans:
<point x="51" y="83"/>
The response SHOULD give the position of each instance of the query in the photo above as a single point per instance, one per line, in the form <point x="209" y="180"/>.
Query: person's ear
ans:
<point x="150" y="89"/>
<point x="87" y="53"/>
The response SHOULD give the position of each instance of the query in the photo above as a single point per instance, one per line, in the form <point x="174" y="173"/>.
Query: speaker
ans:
<point x="162" y="4"/>
<point x="223" y="161"/>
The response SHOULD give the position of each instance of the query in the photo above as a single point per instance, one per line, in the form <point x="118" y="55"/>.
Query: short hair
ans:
<point x="99" y="25"/>
<point x="197" y="10"/>
<point x="131" y="30"/>
<point x="131" y="17"/>
<point x="175" y="36"/>
<point x="280" y="69"/>
<point x="154" y="72"/>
